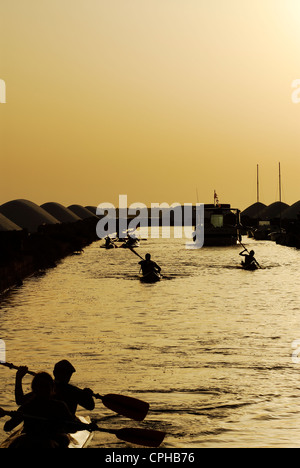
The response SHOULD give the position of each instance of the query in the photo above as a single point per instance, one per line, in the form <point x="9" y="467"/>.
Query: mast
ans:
<point x="280" y="195"/>
<point x="279" y="183"/>
<point x="257" y="188"/>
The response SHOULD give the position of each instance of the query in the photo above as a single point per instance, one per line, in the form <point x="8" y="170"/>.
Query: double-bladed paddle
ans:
<point x="132" y="250"/>
<point x="143" y="437"/>
<point x="124" y="405"/>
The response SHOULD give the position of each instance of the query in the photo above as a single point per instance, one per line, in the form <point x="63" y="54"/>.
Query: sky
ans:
<point x="160" y="100"/>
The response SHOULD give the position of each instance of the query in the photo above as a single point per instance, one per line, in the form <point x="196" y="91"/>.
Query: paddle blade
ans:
<point x="126" y="406"/>
<point x="144" y="437"/>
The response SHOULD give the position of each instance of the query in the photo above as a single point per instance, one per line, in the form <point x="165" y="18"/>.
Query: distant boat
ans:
<point x="130" y="243"/>
<point x="221" y="225"/>
<point x="151" y="277"/>
<point x="263" y="231"/>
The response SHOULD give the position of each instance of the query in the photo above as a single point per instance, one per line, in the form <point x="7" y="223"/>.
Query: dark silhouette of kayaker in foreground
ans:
<point x="70" y="394"/>
<point x="148" y="266"/>
<point x="64" y="391"/>
<point x="249" y="262"/>
<point x="47" y="421"/>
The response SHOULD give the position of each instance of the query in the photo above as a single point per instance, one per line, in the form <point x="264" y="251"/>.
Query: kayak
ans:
<point x="151" y="277"/>
<point x="250" y="267"/>
<point x="129" y="245"/>
<point x="79" y="439"/>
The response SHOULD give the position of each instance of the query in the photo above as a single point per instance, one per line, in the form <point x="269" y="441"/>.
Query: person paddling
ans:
<point x="250" y="261"/>
<point x="64" y="391"/>
<point x="46" y="420"/>
<point x="148" y="265"/>
<point x="70" y="394"/>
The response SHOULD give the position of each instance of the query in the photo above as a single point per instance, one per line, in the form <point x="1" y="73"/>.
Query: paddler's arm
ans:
<point x="86" y="399"/>
<point x="15" y="420"/>
<point x="19" y="394"/>
<point x="242" y="253"/>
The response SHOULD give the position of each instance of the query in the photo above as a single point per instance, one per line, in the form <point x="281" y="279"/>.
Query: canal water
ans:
<point x="212" y="348"/>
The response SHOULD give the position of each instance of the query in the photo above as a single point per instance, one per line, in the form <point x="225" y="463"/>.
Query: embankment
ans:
<point x="23" y="254"/>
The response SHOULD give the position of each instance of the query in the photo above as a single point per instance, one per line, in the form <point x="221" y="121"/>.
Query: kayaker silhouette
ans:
<point x="249" y="261"/>
<point x="70" y="394"/>
<point x="46" y="420"/>
<point x="64" y="391"/>
<point x="148" y="265"/>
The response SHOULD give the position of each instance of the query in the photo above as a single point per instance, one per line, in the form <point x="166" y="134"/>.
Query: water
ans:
<point x="209" y="347"/>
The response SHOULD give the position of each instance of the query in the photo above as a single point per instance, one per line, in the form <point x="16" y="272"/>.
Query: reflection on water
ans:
<point x="209" y="347"/>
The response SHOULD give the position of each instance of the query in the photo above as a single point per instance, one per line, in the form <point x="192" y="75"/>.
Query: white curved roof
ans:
<point x="93" y="209"/>
<point x="254" y="210"/>
<point x="7" y="225"/>
<point x="27" y="214"/>
<point x="82" y="212"/>
<point x="292" y="211"/>
<point x="60" y="212"/>
<point x="274" y="210"/>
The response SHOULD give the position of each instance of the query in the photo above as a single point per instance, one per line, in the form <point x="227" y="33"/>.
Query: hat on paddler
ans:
<point x="64" y="365"/>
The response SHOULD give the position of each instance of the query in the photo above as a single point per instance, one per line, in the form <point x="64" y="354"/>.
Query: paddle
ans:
<point x="249" y="252"/>
<point x="12" y="366"/>
<point x="126" y="406"/>
<point x="132" y="250"/>
<point x="144" y="437"/>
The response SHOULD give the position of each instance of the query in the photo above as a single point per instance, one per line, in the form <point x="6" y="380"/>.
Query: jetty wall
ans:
<point x="23" y="254"/>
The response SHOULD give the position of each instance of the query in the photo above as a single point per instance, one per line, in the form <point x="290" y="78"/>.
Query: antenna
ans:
<point x="257" y="175"/>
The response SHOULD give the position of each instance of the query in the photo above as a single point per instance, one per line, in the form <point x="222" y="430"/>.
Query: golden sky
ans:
<point x="155" y="99"/>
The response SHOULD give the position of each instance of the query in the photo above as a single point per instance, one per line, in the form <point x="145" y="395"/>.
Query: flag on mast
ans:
<point x="216" y="199"/>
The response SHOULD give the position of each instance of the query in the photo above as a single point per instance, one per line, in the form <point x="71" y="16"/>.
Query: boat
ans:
<point x="263" y="230"/>
<point x="222" y="226"/>
<point x="251" y="267"/>
<point x="109" y="246"/>
<point x="79" y="439"/>
<point x="151" y="277"/>
<point x="130" y="244"/>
